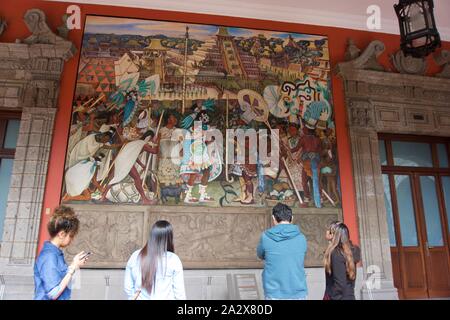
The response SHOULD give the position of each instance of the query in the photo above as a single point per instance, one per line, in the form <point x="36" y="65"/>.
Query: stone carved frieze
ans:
<point x="110" y="235"/>
<point x="313" y="227"/>
<point x="17" y="64"/>
<point x="387" y="90"/>
<point x="203" y="239"/>
<point x="215" y="239"/>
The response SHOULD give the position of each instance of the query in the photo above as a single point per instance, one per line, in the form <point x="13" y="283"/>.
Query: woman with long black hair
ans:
<point x="155" y="272"/>
<point x="340" y="260"/>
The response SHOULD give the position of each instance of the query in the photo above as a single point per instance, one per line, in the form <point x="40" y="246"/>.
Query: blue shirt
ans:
<point x="49" y="270"/>
<point x="283" y="249"/>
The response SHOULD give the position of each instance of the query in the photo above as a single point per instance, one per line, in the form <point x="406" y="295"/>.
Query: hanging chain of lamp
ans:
<point x="418" y="31"/>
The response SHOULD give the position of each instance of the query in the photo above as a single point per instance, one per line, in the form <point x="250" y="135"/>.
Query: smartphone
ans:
<point x="85" y="255"/>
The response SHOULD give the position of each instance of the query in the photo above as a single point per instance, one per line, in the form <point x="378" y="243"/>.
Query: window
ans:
<point x="9" y="131"/>
<point x="428" y="153"/>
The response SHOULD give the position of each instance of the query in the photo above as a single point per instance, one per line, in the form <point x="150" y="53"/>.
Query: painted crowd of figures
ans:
<point x="128" y="148"/>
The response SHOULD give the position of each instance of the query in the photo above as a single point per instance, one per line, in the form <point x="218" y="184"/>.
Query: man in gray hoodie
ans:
<point x="283" y="250"/>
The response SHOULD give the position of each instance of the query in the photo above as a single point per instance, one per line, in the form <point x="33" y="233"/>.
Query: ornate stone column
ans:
<point x="30" y="72"/>
<point x="375" y="247"/>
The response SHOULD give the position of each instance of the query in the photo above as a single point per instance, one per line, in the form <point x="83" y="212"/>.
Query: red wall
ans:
<point x="13" y="14"/>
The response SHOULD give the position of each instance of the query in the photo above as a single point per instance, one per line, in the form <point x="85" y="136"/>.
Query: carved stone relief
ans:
<point x="110" y="235"/>
<point x="443" y="59"/>
<point x="203" y="237"/>
<point x="367" y="60"/>
<point x="409" y="64"/>
<point x="361" y="113"/>
<point x="311" y="226"/>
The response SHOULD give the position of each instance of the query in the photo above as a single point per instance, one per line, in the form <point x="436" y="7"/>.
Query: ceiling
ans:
<point x="350" y="14"/>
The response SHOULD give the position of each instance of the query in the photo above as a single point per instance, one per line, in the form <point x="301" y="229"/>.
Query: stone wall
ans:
<point x="30" y="71"/>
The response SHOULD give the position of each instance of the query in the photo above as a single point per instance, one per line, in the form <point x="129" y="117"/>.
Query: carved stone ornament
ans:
<point x="352" y="51"/>
<point x="368" y="59"/>
<point x="443" y="59"/>
<point x="41" y="33"/>
<point x="361" y="114"/>
<point x="63" y="31"/>
<point x="3" y="25"/>
<point x="408" y="64"/>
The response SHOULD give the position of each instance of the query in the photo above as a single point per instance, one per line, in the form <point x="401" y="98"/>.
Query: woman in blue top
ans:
<point x="155" y="272"/>
<point x="52" y="276"/>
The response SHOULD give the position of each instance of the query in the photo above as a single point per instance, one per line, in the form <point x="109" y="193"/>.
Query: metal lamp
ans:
<point x="419" y="35"/>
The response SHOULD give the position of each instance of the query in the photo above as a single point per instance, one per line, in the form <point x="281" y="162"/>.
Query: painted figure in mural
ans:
<point x="329" y="164"/>
<point x="131" y="161"/>
<point x="79" y="178"/>
<point x="311" y="149"/>
<point x="292" y="150"/>
<point x="246" y="171"/>
<point x="131" y="111"/>
<point x="169" y="151"/>
<point x="200" y="163"/>
<point x="318" y="115"/>
<point x="89" y="146"/>
<point x="130" y="93"/>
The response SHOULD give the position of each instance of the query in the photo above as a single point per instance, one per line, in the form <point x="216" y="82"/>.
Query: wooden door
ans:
<point x="417" y="196"/>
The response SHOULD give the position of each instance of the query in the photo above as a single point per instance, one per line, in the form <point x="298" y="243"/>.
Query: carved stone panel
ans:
<point x="313" y="227"/>
<point x="360" y="113"/>
<point x="216" y="239"/>
<point x="111" y="235"/>
<point x="204" y="237"/>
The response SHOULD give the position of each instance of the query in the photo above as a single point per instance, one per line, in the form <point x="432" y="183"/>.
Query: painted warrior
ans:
<point x="79" y="177"/>
<point x="89" y="146"/>
<point x="127" y="161"/>
<point x="200" y="163"/>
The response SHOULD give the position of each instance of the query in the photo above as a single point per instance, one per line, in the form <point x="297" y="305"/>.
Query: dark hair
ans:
<point x="63" y="219"/>
<point x="147" y="134"/>
<point x="282" y="212"/>
<point x="159" y="242"/>
<point x="167" y="115"/>
<point x="341" y="242"/>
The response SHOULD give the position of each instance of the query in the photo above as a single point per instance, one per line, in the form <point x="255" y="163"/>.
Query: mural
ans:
<point x="143" y="84"/>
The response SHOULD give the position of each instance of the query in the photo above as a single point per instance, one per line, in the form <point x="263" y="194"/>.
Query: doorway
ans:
<point x="416" y="178"/>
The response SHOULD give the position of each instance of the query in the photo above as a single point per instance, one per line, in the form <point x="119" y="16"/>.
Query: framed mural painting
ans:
<point x="143" y="86"/>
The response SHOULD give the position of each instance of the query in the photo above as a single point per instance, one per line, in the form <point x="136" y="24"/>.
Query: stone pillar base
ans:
<point x="387" y="291"/>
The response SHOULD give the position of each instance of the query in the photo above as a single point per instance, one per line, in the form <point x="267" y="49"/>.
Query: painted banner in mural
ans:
<point x="143" y="84"/>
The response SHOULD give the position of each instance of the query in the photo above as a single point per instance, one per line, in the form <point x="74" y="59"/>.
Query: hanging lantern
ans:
<point x="419" y="35"/>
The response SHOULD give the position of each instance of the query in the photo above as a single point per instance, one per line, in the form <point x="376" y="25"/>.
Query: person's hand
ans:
<point x="79" y="261"/>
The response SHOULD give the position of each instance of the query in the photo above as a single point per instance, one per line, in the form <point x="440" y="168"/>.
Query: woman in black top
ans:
<point x="340" y="260"/>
